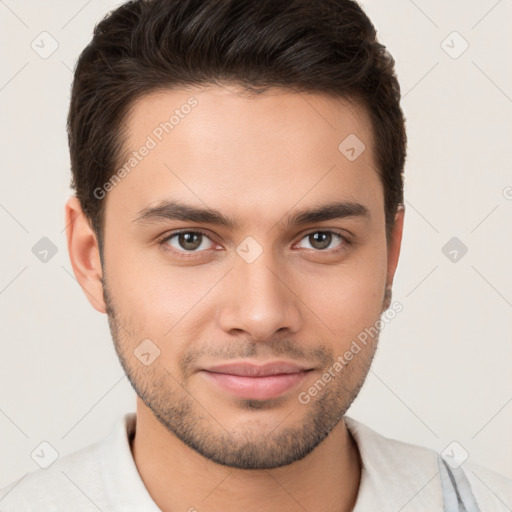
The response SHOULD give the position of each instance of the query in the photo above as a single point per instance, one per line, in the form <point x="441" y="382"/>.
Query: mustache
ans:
<point x="246" y="348"/>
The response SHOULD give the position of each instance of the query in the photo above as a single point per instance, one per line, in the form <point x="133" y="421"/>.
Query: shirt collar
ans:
<point x="393" y="474"/>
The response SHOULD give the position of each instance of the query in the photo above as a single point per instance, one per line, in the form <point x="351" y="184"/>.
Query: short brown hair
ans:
<point x="322" y="46"/>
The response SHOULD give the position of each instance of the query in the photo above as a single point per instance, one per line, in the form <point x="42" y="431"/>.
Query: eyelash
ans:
<point x="190" y="254"/>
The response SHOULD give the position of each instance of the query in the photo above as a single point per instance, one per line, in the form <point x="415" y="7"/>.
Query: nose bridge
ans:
<point x="260" y="301"/>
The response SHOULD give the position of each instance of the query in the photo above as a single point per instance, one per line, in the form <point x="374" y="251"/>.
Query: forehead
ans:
<point x="224" y="148"/>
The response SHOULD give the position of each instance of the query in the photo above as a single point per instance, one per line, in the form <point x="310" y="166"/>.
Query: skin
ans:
<point x="256" y="159"/>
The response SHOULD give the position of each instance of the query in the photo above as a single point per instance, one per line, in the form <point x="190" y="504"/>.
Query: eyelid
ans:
<point x="341" y="232"/>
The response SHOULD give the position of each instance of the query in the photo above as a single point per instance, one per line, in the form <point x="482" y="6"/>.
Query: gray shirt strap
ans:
<point x="457" y="495"/>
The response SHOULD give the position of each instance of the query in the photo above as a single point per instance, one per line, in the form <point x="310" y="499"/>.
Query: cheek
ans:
<point x="157" y="300"/>
<point x="348" y="298"/>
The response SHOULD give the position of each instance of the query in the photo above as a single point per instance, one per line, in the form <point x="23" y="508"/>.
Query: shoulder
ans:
<point x="492" y="490"/>
<point x="87" y="477"/>
<point x="55" y="487"/>
<point x="398" y="467"/>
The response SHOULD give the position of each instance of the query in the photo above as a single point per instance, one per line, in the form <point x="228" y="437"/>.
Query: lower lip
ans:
<point x="257" y="388"/>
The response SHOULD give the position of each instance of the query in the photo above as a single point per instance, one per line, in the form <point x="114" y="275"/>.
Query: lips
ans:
<point x="252" y="370"/>
<point x="258" y="382"/>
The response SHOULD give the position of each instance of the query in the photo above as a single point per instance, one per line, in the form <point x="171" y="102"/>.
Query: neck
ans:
<point x="179" y="478"/>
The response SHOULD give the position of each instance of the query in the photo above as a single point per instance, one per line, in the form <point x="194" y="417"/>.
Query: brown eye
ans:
<point x="190" y="241"/>
<point x="187" y="241"/>
<point x="322" y="240"/>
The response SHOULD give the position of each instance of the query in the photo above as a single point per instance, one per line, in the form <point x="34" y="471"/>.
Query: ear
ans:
<point x="395" y="244"/>
<point x="84" y="253"/>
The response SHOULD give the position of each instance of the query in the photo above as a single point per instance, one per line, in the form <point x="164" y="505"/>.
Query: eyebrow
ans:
<point x="175" y="210"/>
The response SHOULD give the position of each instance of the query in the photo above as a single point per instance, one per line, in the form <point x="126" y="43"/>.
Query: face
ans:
<point x="274" y="293"/>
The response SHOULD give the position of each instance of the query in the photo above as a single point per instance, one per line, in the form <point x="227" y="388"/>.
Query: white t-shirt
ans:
<point x="396" y="476"/>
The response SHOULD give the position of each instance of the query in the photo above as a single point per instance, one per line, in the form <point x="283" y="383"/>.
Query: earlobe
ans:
<point x="84" y="253"/>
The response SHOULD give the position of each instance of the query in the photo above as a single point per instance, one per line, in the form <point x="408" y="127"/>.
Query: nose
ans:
<point x="260" y="300"/>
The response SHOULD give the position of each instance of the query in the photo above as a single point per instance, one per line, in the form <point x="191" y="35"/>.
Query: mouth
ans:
<point x="257" y="382"/>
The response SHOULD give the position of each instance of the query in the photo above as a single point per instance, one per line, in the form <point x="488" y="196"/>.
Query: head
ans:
<point x="238" y="169"/>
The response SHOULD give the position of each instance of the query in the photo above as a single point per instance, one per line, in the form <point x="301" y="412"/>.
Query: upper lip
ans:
<point x="246" y="369"/>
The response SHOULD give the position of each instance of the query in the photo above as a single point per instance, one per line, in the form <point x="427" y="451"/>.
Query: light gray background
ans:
<point x="442" y="371"/>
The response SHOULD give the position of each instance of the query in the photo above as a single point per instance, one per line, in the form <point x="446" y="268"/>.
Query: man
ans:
<point x="238" y="169"/>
